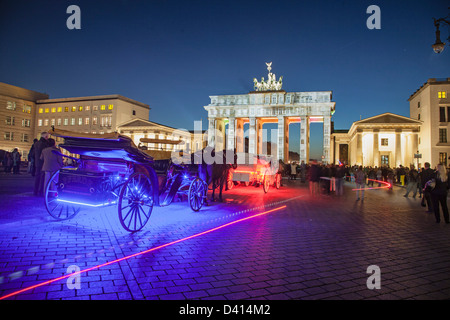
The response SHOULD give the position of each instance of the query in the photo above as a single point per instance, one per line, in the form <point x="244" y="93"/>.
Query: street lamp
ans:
<point x="439" y="46"/>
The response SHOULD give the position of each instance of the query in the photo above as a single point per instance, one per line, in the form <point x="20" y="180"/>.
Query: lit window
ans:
<point x="80" y="121"/>
<point x="24" y="137"/>
<point x="40" y="123"/>
<point x="110" y="107"/>
<point x="26" y="109"/>
<point x="74" y="109"/>
<point x="87" y="108"/>
<point x="8" y="136"/>
<point x="59" y="121"/>
<point x="41" y="110"/>
<point x="86" y="121"/>
<point x="442" y="135"/>
<point x="26" y="122"/>
<point x="94" y="120"/>
<point x="443" y="158"/>
<point x="72" y="121"/>
<point x="66" y="121"/>
<point x="11" y="105"/>
<point x="442" y="94"/>
<point x="53" y="110"/>
<point x="103" y="107"/>
<point x="47" y="110"/>
<point x="66" y="109"/>
<point x="9" y="120"/>
<point x="59" y="109"/>
<point x="384" y="142"/>
<point x="53" y="122"/>
<point x="80" y="108"/>
<point x="95" y="108"/>
<point x="46" y="122"/>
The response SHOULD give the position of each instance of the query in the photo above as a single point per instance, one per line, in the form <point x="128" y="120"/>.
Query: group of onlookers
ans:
<point x="432" y="185"/>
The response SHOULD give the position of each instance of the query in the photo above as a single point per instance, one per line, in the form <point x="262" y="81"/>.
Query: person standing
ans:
<point x="439" y="193"/>
<point x="32" y="165"/>
<point x="314" y="177"/>
<point x="52" y="161"/>
<point x="39" y="177"/>
<point x="412" y="179"/>
<point x="426" y="175"/>
<point x="16" y="161"/>
<point x="360" y="179"/>
<point x="340" y="175"/>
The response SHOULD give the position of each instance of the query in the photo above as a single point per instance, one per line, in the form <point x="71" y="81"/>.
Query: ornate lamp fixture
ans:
<point x="271" y="84"/>
<point x="439" y="46"/>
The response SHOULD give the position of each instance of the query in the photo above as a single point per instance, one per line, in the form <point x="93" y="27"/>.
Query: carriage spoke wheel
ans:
<point x="278" y="181"/>
<point x="266" y="182"/>
<point x="197" y="194"/>
<point x="135" y="202"/>
<point x="58" y="209"/>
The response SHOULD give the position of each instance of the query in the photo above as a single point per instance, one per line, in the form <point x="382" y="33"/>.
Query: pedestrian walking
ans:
<point x="427" y="174"/>
<point x="412" y="178"/>
<point x="39" y="177"/>
<point x="439" y="193"/>
<point x="51" y="159"/>
<point x="360" y="179"/>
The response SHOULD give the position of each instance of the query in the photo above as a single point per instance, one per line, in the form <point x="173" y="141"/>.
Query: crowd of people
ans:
<point x="431" y="185"/>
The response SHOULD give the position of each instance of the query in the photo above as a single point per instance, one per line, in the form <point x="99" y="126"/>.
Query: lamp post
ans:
<point x="439" y="46"/>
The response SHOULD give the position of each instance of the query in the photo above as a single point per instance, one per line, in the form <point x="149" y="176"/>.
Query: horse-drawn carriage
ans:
<point x="110" y="171"/>
<point x="255" y="170"/>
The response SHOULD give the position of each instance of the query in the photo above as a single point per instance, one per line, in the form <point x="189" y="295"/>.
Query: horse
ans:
<point x="214" y="172"/>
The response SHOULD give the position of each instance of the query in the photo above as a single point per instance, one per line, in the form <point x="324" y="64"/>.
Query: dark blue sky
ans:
<point x="173" y="55"/>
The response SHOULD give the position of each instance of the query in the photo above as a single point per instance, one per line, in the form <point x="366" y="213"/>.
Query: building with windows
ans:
<point x="17" y="117"/>
<point x="92" y="114"/>
<point x="383" y="140"/>
<point x="431" y="105"/>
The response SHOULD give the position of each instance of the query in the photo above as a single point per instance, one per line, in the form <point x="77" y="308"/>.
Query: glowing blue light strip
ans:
<point x="86" y="204"/>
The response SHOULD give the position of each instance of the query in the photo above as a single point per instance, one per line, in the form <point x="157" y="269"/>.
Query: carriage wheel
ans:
<point x="197" y="194"/>
<point x="57" y="209"/>
<point x="278" y="181"/>
<point x="266" y="182"/>
<point x="230" y="182"/>
<point x="135" y="202"/>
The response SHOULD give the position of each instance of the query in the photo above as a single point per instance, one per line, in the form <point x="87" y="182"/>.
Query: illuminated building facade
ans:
<point x="383" y="140"/>
<point x="227" y="115"/>
<point x="431" y="105"/>
<point x="18" y="113"/>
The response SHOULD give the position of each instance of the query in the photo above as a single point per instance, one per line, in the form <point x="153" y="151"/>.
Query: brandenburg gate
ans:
<point x="268" y="103"/>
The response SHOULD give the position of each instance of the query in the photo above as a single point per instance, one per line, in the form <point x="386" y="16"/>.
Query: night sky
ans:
<point x="172" y="55"/>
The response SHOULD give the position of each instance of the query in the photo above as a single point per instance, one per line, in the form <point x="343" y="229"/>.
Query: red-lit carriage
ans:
<point x="255" y="170"/>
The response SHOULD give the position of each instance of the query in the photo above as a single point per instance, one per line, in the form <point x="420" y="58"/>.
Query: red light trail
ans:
<point x="138" y="254"/>
<point x="386" y="185"/>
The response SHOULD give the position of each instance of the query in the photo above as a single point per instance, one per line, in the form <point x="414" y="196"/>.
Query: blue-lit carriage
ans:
<point x="112" y="171"/>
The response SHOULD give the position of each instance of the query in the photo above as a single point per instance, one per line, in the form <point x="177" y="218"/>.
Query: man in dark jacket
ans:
<point x="39" y="174"/>
<point x="314" y="178"/>
<point x="425" y="175"/>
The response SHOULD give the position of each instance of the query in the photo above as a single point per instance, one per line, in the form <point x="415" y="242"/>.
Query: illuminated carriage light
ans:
<point x="137" y="254"/>
<point x="87" y="204"/>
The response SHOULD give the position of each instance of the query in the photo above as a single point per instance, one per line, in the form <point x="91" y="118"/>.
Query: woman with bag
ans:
<point x="439" y="193"/>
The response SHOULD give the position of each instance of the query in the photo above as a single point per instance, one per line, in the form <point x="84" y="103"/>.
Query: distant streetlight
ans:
<point x="439" y="46"/>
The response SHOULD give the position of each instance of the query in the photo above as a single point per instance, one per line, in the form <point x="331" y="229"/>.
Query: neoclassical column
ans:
<point x="231" y="137"/>
<point x="240" y="135"/>
<point x="283" y="139"/>
<point x="252" y="135"/>
<point x="304" y="139"/>
<point x="376" y="148"/>
<point x="415" y="146"/>
<point x="359" y="151"/>
<point x="259" y="136"/>
<point x="398" y="147"/>
<point x="220" y="135"/>
<point x="211" y="131"/>
<point x="326" y="139"/>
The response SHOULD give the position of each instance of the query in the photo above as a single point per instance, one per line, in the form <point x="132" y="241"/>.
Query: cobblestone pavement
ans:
<point x="313" y="248"/>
